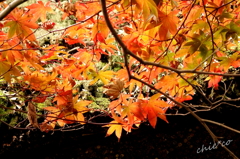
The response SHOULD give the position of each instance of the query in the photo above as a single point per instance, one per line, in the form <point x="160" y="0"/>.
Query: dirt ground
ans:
<point x="182" y="138"/>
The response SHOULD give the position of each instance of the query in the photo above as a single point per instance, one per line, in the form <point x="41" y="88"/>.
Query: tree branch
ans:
<point x="11" y="7"/>
<point x="222" y="125"/>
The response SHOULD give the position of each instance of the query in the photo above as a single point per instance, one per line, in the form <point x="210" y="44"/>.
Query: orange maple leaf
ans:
<point x="154" y="108"/>
<point x="39" y="10"/>
<point x="131" y="111"/>
<point x="213" y="81"/>
<point x="168" y="24"/>
<point x="133" y="108"/>
<point x="19" y="24"/>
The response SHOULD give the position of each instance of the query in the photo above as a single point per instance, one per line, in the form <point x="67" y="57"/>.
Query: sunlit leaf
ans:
<point x="39" y="10"/>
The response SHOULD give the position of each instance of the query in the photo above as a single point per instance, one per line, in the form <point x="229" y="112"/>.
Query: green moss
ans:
<point x="115" y="62"/>
<point x="6" y="115"/>
<point x="93" y="105"/>
<point x="103" y="102"/>
<point x="13" y="121"/>
<point x="100" y="103"/>
<point x="3" y="112"/>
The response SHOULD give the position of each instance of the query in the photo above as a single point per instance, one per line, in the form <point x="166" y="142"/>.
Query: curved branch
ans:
<point x="11" y="7"/>
<point x="114" y="33"/>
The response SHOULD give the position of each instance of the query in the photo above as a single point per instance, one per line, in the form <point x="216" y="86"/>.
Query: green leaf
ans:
<point x="203" y="51"/>
<point x="194" y="45"/>
<point x="12" y="28"/>
<point x="234" y="27"/>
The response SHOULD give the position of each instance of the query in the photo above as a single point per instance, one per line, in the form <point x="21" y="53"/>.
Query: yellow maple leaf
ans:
<point x="114" y="126"/>
<point x="104" y="76"/>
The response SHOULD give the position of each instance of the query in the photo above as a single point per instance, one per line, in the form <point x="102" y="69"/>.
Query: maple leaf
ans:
<point x="99" y="38"/>
<point x="168" y="24"/>
<point x="183" y="88"/>
<point x="41" y="81"/>
<point x="154" y="108"/>
<point x="104" y="76"/>
<point x="85" y="57"/>
<point x="40" y="99"/>
<point x="63" y="98"/>
<point x="233" y="60"/>
<point x="194" y="14"/>
<point x="113" y="90"/>
<point x="167" y="82"/>
<point x="81" y="108"/>
<point x="39" y="10"/>
<point x="147" y="7"/>
<point x="19" y="24"/>
<point x="197" y="37"/>
<point x="114" y="126"/>
<point x="110" y="48"/>
<point x="52" y="109"/>
<point x="98" y="53"/>
<point x="122" y="74"/>
<point x="128" y="30"/>
<point x="118" y="124"/>
<point x="76" y="34"/>
<point x="52" y="52"/>
<point x="13" y="56"/>
<point x="53" y="113"/>
<point x="136" y="83"/>
<point x="7" y="70"/>
<point x="31" y="59"/>
<point x="100" y="32"/>
<point x="134" y="43"/>
<point x="213" y="81"/>
<point x="153" y="73"/>
<point x="129" y="110"/>
<point x="46" y="127"/>
<point x="183" y="98"/>
<point x="88" y="10"/>
<point x="116" y="105"/>
<point x="68" y="110"/>
<point x="131" y="107"/>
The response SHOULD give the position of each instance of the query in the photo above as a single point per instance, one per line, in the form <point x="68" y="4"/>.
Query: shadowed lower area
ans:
<point x="179" y="139"/>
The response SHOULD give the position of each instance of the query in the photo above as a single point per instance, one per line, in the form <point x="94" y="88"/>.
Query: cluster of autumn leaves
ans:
<point x="179" y="35"/>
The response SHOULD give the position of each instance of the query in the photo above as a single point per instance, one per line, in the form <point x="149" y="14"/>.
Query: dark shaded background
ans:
<point x="179" y="139"/>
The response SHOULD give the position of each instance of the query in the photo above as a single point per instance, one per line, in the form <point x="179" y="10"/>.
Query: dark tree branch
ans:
<point x="219" y="124"/>
<point x="11" y="7"/>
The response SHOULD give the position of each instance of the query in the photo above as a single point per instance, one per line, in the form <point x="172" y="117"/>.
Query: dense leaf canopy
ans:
<point x="166" y="49"/>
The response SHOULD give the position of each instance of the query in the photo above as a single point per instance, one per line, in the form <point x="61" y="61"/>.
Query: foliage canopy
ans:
<point x="167" y="49"/>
